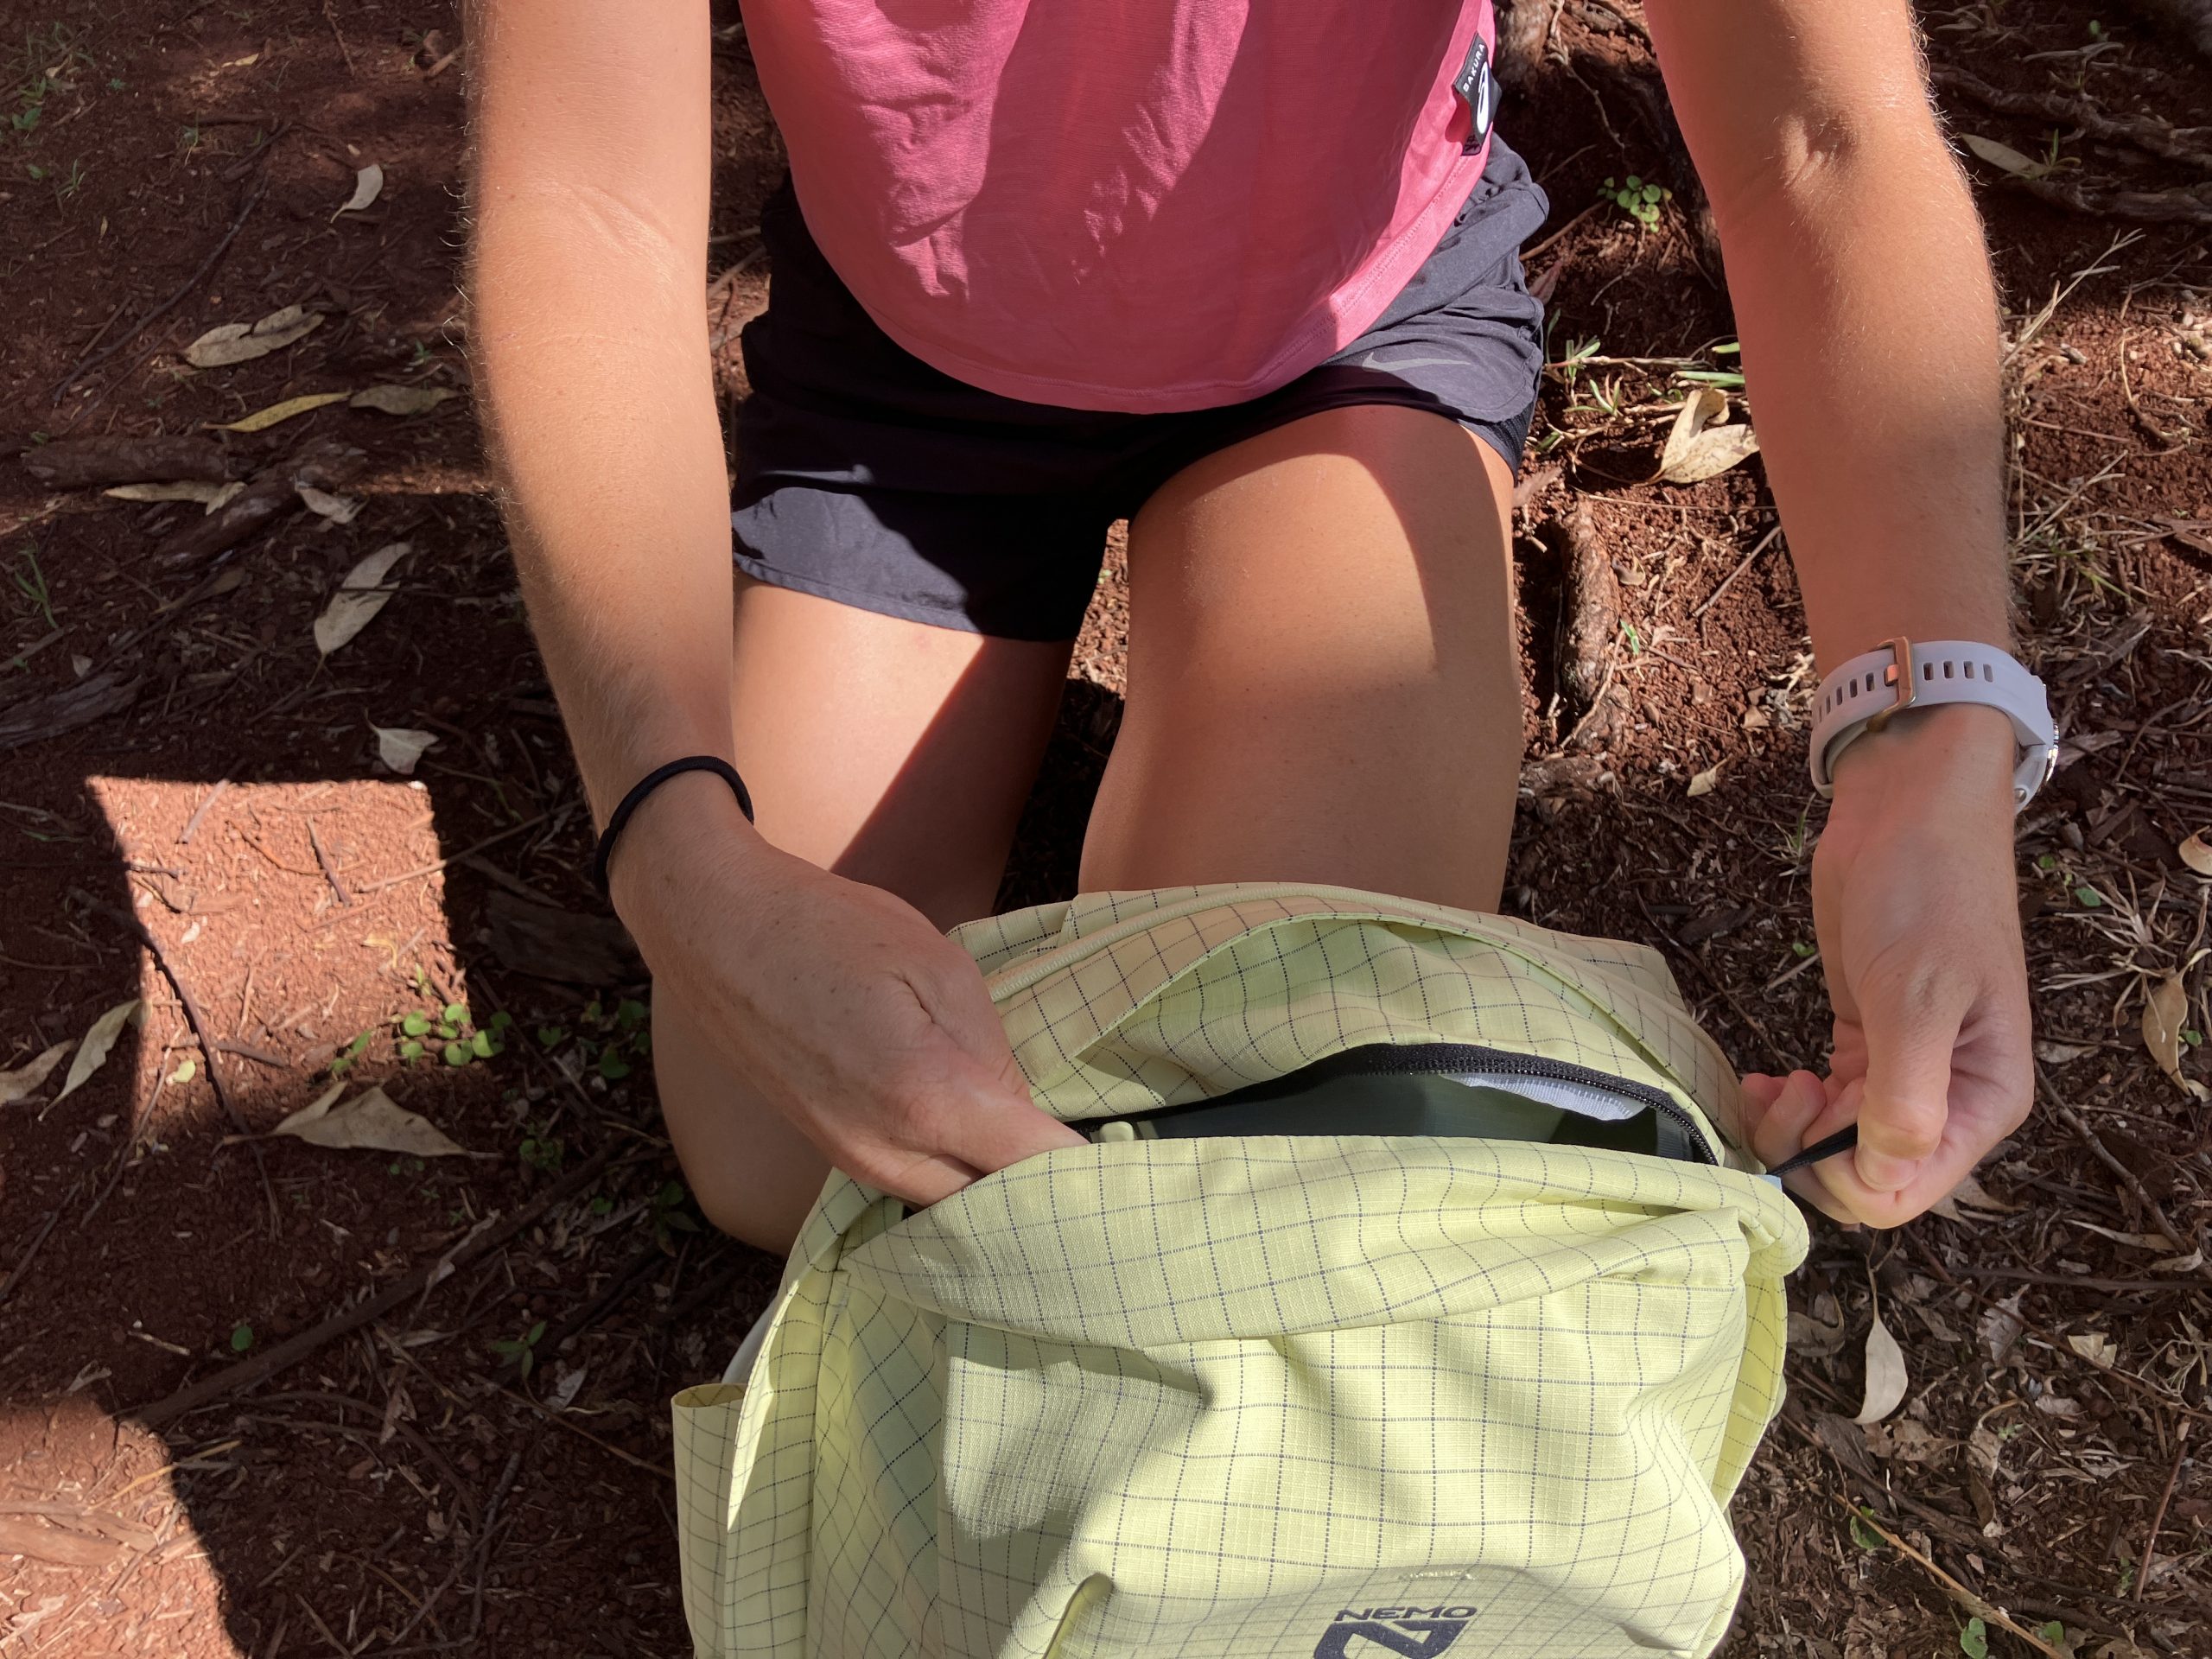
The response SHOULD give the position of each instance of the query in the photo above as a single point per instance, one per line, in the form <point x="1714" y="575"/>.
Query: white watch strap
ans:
<point x="1862" y="693"/>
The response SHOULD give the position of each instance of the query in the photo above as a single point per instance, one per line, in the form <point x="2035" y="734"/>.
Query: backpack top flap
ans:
<point x="1123" y="1002"/>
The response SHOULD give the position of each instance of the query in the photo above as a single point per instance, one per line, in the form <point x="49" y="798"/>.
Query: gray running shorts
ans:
<point x="867" y="477"/>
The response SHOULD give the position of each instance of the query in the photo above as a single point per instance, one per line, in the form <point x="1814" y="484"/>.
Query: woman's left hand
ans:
<point x="1916" y="904"/>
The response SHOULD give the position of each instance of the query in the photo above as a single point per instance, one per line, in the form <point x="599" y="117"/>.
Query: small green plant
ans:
<point x="1803" y="949"/>
<point x="2055" y="1633"/>
<point x="461" y="1040"/>
<point x="1634" y="639"/>
<point x="1578" y="351"/>
<point x="522" y="1350"/>
<point x="1863" y="1535"/>
<point x="241" y="1339"/>
<point x="343" y="1061"/>
<point x="1635" y="197"/>
<point x="543" y="1152"/>
<point x="1973" y="1641"/>
<point x="671" y="1213"/>
<point x="30" y="582"/>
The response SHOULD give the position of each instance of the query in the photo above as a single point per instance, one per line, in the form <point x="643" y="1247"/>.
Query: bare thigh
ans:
<point x="892" y="752"/>
<point x="1323" y="682"/>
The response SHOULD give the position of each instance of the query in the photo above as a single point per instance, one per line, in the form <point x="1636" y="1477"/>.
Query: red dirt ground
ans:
<point x="402" y="1488"/>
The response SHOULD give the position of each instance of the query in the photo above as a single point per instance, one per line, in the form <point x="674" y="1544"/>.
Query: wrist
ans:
<point x="1963" y="752"/>
<point x="687" y="825"/>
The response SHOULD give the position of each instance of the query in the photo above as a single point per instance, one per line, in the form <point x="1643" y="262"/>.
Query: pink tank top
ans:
<point x="1138" y="205"/>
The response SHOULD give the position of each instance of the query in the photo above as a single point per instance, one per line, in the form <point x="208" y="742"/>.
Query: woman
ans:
<point x="1245" y="273"/>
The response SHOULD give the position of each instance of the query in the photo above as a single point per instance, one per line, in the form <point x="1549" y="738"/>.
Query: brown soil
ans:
<point x="403" y="1487"/>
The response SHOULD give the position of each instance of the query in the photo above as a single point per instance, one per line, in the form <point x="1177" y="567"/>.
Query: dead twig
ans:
<point x="199" y="812"/>
<point x="2155" y="138"/>
<point x="200" y="1032"/>
<point x="2191" y="205"/>
<point x="1729" y="581"/>
<point x="2080" y="1125"/>
<point x="338" y="35"/>
<point x="86" y="364"/>
<point x="1988" y="1612"/>
<point x="329" y="869"/>
<point x="433" y="867"/>
<point x="2150" y="1550"/>
<point x="285" y="1355"/>
<point x="24" y="1262"/>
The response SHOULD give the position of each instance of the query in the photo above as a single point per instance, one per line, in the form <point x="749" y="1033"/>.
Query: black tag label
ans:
<point x="1478" y="90"/>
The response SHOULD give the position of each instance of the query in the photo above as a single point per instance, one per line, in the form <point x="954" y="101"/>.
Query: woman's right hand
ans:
<point x="839" y="1004"/>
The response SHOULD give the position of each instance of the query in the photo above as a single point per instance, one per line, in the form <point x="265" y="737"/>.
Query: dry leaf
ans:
<point x="2093" y="1346"/>
<point x="1907" y="1441"/>
<point x="339" y="509"/>
<point x="24" y="1081"/>
<point x="1970" y="1193"/>
<point x="241" y="342"/>
<point x="400" y="747"/>
<point x="1706" y="781"/>
<point x="261" y="419"/>
<point x="1696" y="449"/>
<point x="2140" y="1241"/>
<point x="566" y="1385"/>
<point x="371" y="1122"/>
<point x="91" y="1052"/>
<point x="1886" y="1374"/>
<point x="401" y="400"/>
<point x="368" y="185"/>
<point x="2001" y="1327"/>
<point x="2164" y="1012"/>
<point x="2057" y="1405"/>
<point x="1819" y="1332"/>
<point x="209" y="496"/>
<point x="358" y="598"/>
<point x="2003" y="156"/>
<point x="2061" y="1053"/>
<point x="2188" y="1263"/>
<point x="2196" y="853"/>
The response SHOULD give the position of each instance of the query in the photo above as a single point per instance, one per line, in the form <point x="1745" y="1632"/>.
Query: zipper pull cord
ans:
<point x="1842" y="1141"/>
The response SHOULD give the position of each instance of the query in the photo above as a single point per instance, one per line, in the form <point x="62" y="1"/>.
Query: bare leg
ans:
<point x="1323" y="682"/>
<point x="890" y="751"/>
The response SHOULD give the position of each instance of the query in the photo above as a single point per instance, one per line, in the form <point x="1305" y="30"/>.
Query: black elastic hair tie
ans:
<point x="652" y="781"/>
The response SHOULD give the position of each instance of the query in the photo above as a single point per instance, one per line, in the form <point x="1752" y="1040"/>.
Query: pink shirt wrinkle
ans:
<point x="1135" y="205"/>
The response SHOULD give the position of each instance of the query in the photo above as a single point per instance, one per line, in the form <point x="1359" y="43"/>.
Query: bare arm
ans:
<point x="1868" y="314"/>
<point x="837" y="1006"/>
<point x="589" y="329"/>
<point x="1863" y="294"/>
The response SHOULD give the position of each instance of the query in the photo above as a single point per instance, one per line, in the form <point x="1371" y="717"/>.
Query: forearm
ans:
<point x="1864" y="303"/>
<point x="609" y="461"/>
<point x="589" y="334"/>
<point x="1869" y="327"/>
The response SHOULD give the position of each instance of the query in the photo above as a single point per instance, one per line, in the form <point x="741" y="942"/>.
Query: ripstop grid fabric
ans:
<point x="1324" y="1395"/>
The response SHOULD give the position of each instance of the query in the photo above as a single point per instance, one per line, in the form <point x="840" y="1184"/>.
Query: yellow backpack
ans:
<point x="1258" y="1385"/>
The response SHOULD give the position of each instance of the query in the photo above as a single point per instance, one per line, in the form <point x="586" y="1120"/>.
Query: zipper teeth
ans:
<point x="1431" y="1058"/>
<point x="1535" y="1065"/>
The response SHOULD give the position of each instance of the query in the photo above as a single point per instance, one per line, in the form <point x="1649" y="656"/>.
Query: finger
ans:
<point x="1760" y="1089"/>
<point x="989" y="1118"/>
<point x="1778" y="1132"/>
<point x="924" y="1181"/>
<point x="1843" y="1190"/>
<point x="1911" y="1030"/>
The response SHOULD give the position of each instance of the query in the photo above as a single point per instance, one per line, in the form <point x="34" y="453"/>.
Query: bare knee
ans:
<point x="753" y="1174"/>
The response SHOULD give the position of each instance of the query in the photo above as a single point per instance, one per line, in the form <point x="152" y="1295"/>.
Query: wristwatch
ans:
<point x="1864" y="693"/>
